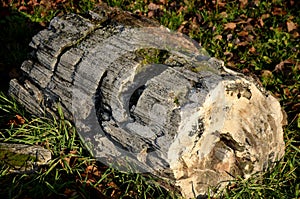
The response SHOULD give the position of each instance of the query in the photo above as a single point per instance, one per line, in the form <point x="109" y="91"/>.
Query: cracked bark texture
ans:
<point x="148" y="100"/>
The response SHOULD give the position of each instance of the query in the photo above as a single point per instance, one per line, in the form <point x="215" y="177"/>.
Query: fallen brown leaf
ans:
<point x="243" y="33"/>
<point x="164" y="2"/>
<point x="250" y="38"/>
<point x="153" y="6"/>
<point x="261" y="22"/>
<point x="266" y="74"/>
<point x="252" y="50"/>
<point x="23" y="8"/>
<point x="291" y="26"/>
<point x="280" y="66"/>
<point x="93" y="170"/>
<point x="218" y="37"/>
<point x="243" y="3"/>
<point x="219" y="3"/>
<point x="287" y="92"/>
<point x="69" y="192"/>
<point x="229" y="37"/>
<point x="248" y="27"/>
<point x="18" y="120"/>
<point x="112" y="184"/>
<point x="230" y="26"/>
<point x="292" y="2"/>
<point x="278" y="11"/>
<point x="245" y="71"/>
<point x="195" y="23"/>
<point x="231" y="65"/>
<point x="150" y="13"/>
<point x="74" y="152"/>
<point x="243" y="43"/>
<point x="265" y="16"/>
<point x="295" y="34"/>
<point x="115" y="193"/>
<point x="223" y="14"/>
<point x="229" y="55"/>
<point x="249" y="20"/>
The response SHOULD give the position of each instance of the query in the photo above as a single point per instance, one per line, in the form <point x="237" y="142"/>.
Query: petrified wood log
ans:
<point x="21" y="158"/>
<point x="146" y="99"/>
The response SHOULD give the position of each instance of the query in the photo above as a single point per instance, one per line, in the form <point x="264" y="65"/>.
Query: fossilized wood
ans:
<point x="21" y="158"/>
<point x="152" y="100"/>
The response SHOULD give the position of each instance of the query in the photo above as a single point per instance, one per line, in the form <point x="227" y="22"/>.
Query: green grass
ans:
<point x="259" y="43"/>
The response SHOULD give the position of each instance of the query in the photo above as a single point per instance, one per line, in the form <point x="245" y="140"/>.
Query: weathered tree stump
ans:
<point x="147" y="99"/>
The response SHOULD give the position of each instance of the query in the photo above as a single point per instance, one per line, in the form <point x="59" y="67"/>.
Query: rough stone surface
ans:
<point x="21" y="158"/>
<point x="146" y="99"/>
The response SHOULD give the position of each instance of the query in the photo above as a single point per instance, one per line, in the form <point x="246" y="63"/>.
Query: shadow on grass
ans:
<point x="15" y="35"/>
<point x="29" y="186"/>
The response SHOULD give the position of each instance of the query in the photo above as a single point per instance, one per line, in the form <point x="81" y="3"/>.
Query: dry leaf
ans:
<point x="292" y="2"/>
<point x="69" y="192"/>
<point x="252" y="50"/>
<point x="249" y="20"/>
<point x="229" y="37"/>
<point x="237" y="41"/>
<point x="257" y="2"/>
<point x="261" y="22"/>
<point x="287" y="92"/>
<point x="18" y="120"/>
<point x="23" y="8"/>
<point x="181" y="9"/>
<point x="243" y="33"/>
<point x="74" y="152"/>
<point x="295" y="35"/>
<point x="93" y="170"/>
<point x="291" y="26"/>
<point x="164" y="2"/>
<point x="248" y="27"/>
<point x="218" y="37"/>
<point x="230" y="26"/>
<point x="219" y="3"/>
<point x="250" y="38"/>
<point x="229" y="55"/>
<point x="231" y="65"/>
<point x="195" y="23"/>
<point x="280" y="66"/>
<point x="150" y="13"/>
<point x="153" y="6"/>
<point x="241" y="21"/>
<point x="265" y="16"/>
<point x="244" y="43"/>
<point x="266" y="74"/>
<point x="112" y="184"/>
<point x="243" y="3"/>
<point x="243" y="16"/>
<point x="278" y="11"/>
<point x="245" y="71"/>
<point x="180" y="28"/>
<point x="223" y="14"/>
